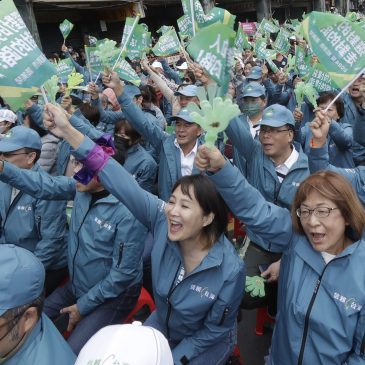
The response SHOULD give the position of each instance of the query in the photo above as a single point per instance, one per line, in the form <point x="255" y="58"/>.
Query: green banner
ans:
<point x="212" y="48"/>
<point x="164" y="29"/>
<point x="320" y="79"/>
<point x="167" y="45"/>
<point x="281" y="43"/>
<point x="126" y="72"/>
<point x="22" y="64"/>
<point x="65" y="28"/>
<point x="218" y="15"/>
<point x="338" y="43"/>
<point x="64" y="68"/>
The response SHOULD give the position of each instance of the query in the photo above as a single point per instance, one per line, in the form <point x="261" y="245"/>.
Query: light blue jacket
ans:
<point x="340" y="140"/>
<point x="34" y="224"/>
<point x="105" y="243"/>
<point x="142" y="166"/>
<point x="169" y="155"/>
<point x="201" y="310"/>
<point x="43" y="346"/>
<point x="319" y="160"/>
<point x="108" y="118"/>
<point x="321" y="308"/>
<point x="261" y="171"/>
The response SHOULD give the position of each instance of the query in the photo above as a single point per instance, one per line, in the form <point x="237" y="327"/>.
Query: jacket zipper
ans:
<point x="309" y="310"/>
<point x="17" y="198"/>
<point x="362" y="348"/>
<point x="171" y="290"/>
<point x="121" y="247"/>
<point x="224" y="315"/>
<point x="38" y="220"/>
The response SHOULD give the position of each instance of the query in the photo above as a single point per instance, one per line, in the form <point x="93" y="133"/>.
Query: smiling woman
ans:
<point x="321" y="298"/>
<point x="198" y="279"/>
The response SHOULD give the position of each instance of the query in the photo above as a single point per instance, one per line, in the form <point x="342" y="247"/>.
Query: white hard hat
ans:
<point x="131" y="344"/>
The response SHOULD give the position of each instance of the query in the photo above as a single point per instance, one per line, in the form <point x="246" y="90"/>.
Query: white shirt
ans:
<point x="187" y="162"/>
<point x="327" y="257"/>
<point x="284" y="168"/>
<point x="254" y="129"/>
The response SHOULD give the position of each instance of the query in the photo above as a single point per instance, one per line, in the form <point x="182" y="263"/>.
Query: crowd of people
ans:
<point x="113" y="189"/>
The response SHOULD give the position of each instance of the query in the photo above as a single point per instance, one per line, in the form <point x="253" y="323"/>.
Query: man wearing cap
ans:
<point x="252" y="104"/>
<point x="27" y="337"/>
<point x="34" y="224"/>
<point x="7" y="121"/>
<point x="276" y="165"/>
<point x="176" y="151"/>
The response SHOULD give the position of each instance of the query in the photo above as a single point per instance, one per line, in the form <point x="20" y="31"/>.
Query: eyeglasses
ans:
<point x="320" y="212"/>
<point x="9" y="154"/>
<point x="272" y="131"/>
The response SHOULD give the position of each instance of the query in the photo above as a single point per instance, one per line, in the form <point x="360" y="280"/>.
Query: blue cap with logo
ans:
<point x="255" y="74"/>
<point x="20" y="137"/>
<point x="253" y="89"/>
<point x="22" y="277"/>
<point x="132" y="90"/>
<point x="183" y="114"/>
<point x="187" y="90"/>
<point x="276" y="116"/>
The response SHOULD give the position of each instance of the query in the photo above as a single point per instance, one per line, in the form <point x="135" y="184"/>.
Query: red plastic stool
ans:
<point x="144" y="299"/>
<point x="261" y="318"/>
<point x="239" y="229"/>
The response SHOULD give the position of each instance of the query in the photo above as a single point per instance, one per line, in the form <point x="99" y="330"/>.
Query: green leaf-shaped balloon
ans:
<point x="51" y="86"/>
<point x="74" y="79"/>
<point x="255" y="285"/>
<point x="214" y="113"/>
<point x="303" y="90"/>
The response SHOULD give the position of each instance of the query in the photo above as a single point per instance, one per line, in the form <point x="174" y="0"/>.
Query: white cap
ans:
<point x="293" y="37"/>
<point x="7" y="115"/>
<point x="157" y="64"/>
<point x="183" y="66"/>
<point x="131" y="344"/>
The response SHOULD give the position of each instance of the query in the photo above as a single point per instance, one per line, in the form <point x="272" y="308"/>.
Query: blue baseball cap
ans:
<point x="132" y="90"/>
<point x="188" y="90"/>
<point x="253" y="89"/>
<point x="276" y="116"/>
<point x="183" y="114"/>
<point x="22" y="277"/>
<point x="255" y="74"/>
<point x="20" y="137"/>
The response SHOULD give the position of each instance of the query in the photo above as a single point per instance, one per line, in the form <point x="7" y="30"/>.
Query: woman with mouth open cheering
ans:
<point x="198" y="278"/>
<point x="321" y="298"/>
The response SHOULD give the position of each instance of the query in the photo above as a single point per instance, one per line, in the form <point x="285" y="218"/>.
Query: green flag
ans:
<point x="126" y="72"/>
<point x="93" y="60"/>
<point x="65" y="28"/>
<point x="281" y="43"/>
<point x="302" y="63"/>
<point x="338" y="43"/>
<point x="212" y="48"/>
<point x="195" y="12"/>
<point x="185" y="26"/>
<point x="16" y="96"/>
<point x="320" y="79"/>
<point x="64" y="68"/>
<point x="164" y="29"/>
<point x="140" y="40"/>
<point x="22" y="64"/>
<point x="266" y="26"/>
<point x="168" y="44"/>
<point x="241" y="41"/>
<point x="218" y="15"/>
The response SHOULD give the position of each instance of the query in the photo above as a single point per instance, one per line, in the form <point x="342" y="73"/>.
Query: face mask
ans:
<point x="119" y="140"/>
<point x="251" y="109"/>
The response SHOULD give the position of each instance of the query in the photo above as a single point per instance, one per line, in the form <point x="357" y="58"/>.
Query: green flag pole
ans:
<point x="192" y="15"/>
<point x="43" y="91"/>
<point x="344" y="89"/>
<point x="136" y="20"/>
